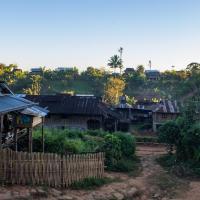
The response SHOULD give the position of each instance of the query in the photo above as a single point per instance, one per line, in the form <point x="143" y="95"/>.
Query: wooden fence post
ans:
<point x="16" y="139"/>
<point x="1" y="131"/>
<point x="43" y="134"/>
<point x="30" y="140"/>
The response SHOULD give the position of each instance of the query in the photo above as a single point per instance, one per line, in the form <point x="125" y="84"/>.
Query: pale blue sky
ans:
<point x="85" y="33"/>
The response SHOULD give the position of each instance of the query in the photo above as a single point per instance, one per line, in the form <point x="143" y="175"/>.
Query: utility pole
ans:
<point x="150" y="64"/>
<point x="120" y="52"/>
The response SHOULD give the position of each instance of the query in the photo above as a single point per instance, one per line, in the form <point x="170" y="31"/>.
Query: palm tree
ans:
<point x="115" y="62"/>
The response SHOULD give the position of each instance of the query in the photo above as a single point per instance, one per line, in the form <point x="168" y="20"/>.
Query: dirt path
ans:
<point x="152" y="175"/>
<point x="153" y="183"/>
<point x="193" y="193"/>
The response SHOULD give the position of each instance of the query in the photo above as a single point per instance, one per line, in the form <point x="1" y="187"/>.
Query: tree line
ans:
<point x="171" y="84"/>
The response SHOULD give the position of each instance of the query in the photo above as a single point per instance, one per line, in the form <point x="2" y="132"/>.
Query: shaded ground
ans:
<point x="152" y="183"/>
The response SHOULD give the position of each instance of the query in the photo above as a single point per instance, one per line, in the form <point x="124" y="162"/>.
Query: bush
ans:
<point x="128" y="144"/>
<point x="170" y="133"/>
<point x="179" y="168"/>
<point x="112" y="149"/>
<point x="167" y="161"/>
<point x="116" y="146"/>
<point x="125" y="165"/>
<point x="90" y="183"/>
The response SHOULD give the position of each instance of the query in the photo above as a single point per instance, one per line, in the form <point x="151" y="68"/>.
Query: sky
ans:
<point x="82" y="33"/>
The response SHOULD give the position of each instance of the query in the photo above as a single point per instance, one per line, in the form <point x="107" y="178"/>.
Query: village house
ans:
<point x="64" y="69"/>
<point x="152" y="74"/>
<point x="165" y="111"/>
<point x="69" y="111"/>
<point x="80" y="112"/>
<point x="17" y="117"/>
<point x="36" y="70"/>
<point x="129" y="70"/>
<point x="142" y="110"/>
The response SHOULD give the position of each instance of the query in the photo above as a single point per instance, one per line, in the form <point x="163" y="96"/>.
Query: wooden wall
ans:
<point x="74" y="122"/>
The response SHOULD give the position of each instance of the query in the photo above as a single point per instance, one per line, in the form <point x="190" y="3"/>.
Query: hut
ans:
<point x="17" y="117"/>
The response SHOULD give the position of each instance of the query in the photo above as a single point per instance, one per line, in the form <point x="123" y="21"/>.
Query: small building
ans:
<point x="81" y="112"/>
<point x="36" y="70"/>
<point x="69" y="111"/>
<point x="152" y="75"/>
<point x="129" y="70"/>
<point x="165" y="111"/>
<point x="17" y="70"/>
<point x="145" y="104"/>
<point x="17" y="117"/>
<point x="64" y="69"/>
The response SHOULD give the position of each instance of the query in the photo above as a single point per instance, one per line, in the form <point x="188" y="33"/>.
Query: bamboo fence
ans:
<point x="49" y="169"/>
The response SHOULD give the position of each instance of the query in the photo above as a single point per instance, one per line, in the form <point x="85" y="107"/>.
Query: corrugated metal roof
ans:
<point x="35" y="111"/>
<point x="167" y="106"/>
<point x="9" y="103"/>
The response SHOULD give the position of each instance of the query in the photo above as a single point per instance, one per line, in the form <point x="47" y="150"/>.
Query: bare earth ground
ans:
<point x="153" y="183"/>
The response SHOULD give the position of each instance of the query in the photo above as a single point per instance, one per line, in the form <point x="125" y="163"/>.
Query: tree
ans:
<point x="193" y="67"/>
<point x="115" y="62"/>
<point x="35" y="86"/>
<point x="140" y="69"/>
<point x="113" y="90"/>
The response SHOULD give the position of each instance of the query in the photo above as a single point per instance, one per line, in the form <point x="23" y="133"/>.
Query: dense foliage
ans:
<point x="119" y="147"/>
<point x="184" y="135"/>
<point x="171" y="84"/>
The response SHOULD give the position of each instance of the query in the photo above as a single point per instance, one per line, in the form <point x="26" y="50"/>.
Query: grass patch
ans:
<point x="91" y="183"/>
<point x="132" y="167"/>
<point x="187" y="169"/>
<point x="146" y="139"/>
<point x="167" y="161"/>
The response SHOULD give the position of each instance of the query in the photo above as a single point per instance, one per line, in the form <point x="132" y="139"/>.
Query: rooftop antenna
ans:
<point x="150" y="64"/>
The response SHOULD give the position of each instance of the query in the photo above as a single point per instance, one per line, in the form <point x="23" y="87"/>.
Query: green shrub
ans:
<point x="74" y="146"/>
<point x="167" y="161"/>
<point x="112" y="149"/>
<point x="124" y="165"/>
<point x="116" y="146"/>
<point x="96" y="133"/>
<point x="74" y="134"/>
<point x="90" y="183"/>
<point x="128" y="144"/>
